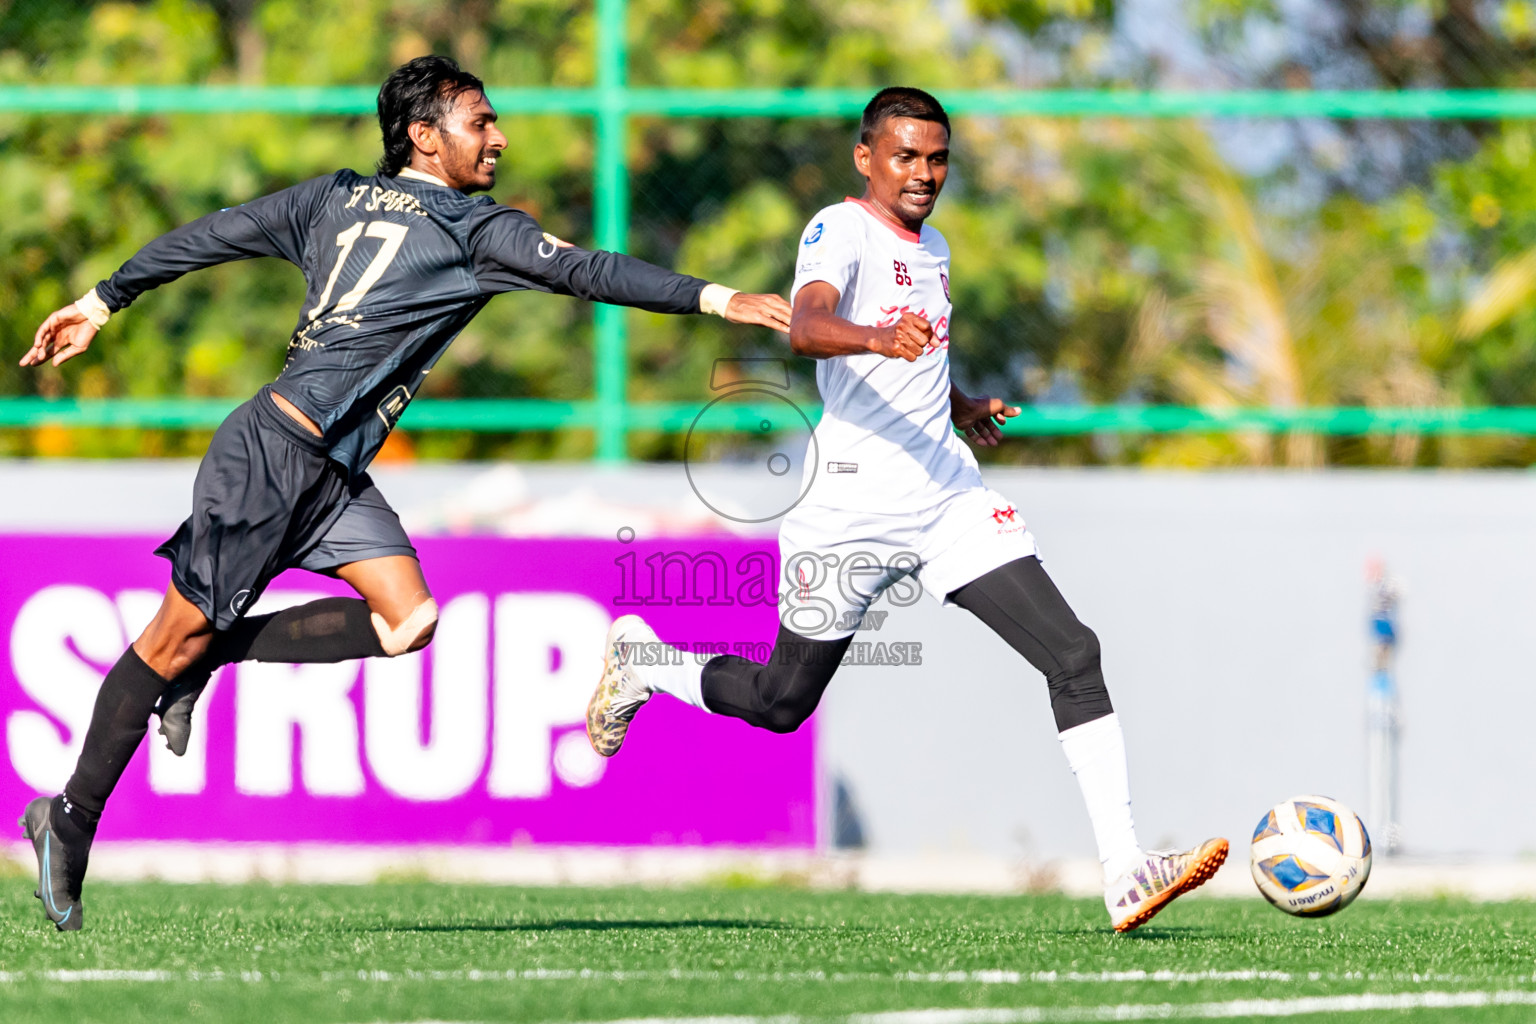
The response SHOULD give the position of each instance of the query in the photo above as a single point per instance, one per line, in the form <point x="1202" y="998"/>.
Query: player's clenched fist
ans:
<point x="65" y="334"/>
<point x="906" y="339"/>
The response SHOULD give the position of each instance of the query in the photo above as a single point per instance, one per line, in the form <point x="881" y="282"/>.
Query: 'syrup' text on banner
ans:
<point x="477" y="739"/>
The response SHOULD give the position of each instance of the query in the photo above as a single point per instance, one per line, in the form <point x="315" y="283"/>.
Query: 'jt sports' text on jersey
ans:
<point x="885" y="443"/>
<point x="395" y="267"/>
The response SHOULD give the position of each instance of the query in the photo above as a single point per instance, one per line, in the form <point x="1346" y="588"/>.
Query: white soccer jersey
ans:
<point x="885" y="442"/>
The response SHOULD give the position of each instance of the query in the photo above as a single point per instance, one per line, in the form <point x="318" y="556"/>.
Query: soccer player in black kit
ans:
<point x="396" y="263"/>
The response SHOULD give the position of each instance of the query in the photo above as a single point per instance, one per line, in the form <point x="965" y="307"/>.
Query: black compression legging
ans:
<point x="781" y="694"/>
<point x="1023" y="606"/>
<point x="1018" y="601"/>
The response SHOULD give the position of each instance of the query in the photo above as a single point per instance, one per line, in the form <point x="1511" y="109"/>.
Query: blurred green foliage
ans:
<point x="1103" y="260"/>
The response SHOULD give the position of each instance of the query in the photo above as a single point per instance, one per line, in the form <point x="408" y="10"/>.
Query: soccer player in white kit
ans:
<point x="895" y="497"/>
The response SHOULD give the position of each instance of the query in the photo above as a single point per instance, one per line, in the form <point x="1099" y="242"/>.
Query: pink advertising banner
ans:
<point x="479" y="739"/>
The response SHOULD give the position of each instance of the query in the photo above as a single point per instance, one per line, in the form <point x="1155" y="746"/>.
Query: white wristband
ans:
<point x="94" y="309"/>
<point x="714" y="298"/>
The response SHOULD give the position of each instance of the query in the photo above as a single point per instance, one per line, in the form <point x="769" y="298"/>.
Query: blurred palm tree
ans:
<point x="1285" y="319"/>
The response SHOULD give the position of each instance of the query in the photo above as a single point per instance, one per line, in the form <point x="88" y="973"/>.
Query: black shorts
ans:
<point x="267" y="498"/>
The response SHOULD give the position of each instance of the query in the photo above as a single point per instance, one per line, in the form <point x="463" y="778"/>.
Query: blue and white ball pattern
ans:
<point x="1311" y="856"/>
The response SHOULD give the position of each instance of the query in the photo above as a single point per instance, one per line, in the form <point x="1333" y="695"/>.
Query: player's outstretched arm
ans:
<point x="979" y="418"/>
<point x="272" y="225"/>
<point x="511" y="251"/>
<point x="65" y="334"/>
<point x="815" y="329"/>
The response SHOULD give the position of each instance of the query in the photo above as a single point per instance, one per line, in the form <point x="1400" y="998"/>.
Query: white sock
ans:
<point x="1096" y="752"/>
<point x="682" y="677"/>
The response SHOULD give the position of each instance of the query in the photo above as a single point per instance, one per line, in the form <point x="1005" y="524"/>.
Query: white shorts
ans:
<point x="836" y="563"/>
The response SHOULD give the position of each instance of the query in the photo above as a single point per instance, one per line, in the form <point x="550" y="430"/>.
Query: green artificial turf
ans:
<point x="411" y="951"/>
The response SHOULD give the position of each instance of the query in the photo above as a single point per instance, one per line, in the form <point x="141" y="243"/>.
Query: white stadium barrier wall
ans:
<point x="1233" y="611"/>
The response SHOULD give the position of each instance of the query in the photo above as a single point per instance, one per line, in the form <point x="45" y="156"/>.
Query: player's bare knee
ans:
<point x="187" y="654"/>
<point x="428" y="632"/>
<point x="412" y="633"/>
<point x="169" y="648"/>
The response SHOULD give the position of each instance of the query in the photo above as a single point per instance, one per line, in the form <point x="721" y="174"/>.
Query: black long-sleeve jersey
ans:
<point x="396" y="267"/>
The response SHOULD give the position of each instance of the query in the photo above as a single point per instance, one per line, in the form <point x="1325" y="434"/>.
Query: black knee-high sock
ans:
<point x="329" y="630"/>
<point x="118" y="723"/>
<point x="326" y="631"/>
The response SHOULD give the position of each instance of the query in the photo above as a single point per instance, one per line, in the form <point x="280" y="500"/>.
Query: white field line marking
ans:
<point x="1134" y="1011"/>
<point x="78" y="977"/>
<point x="988" y="977"/>
<point x="1204" y="1011"/>
<point x="985" y="977"/>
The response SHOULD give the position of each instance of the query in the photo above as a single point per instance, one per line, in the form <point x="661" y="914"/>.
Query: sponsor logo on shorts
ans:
<point x="393" y="405"/>
<point x="239" y="601"/>
<point x="842" y="467"/>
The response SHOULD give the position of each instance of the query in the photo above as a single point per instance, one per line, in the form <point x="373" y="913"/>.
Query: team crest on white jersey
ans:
<point x="1007" y="519"/>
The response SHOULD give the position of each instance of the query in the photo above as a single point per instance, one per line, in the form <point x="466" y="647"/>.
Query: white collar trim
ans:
<point x="415" y="175"/>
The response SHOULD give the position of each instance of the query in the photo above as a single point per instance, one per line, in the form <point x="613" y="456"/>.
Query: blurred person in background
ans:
<point x="898" y="495"/>
<point x="396" y="264"/>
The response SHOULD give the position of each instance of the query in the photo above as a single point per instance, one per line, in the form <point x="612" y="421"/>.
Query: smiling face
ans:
<point x="905" y="166"/>
<point x="464" y="151"/>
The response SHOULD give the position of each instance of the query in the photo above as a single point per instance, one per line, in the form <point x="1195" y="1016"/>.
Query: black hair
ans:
<point x="418" y="90"/>
<point x="900" y="101"/>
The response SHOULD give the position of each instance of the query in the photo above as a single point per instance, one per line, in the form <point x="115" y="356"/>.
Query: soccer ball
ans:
<point x="1311" y="856"/>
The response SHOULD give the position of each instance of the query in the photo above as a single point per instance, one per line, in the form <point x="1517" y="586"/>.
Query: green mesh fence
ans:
<point x="642" y="382"/>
